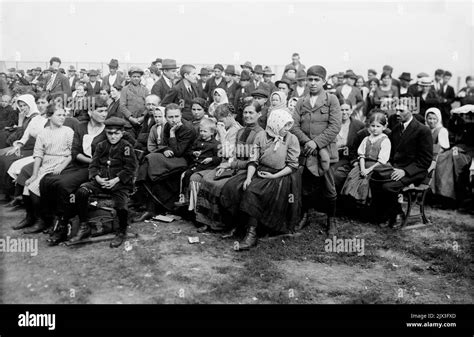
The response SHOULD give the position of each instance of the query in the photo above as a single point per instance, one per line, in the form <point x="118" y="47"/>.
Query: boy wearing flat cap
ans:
<point x="111" y="171"/>
<point x="317" y="117"/>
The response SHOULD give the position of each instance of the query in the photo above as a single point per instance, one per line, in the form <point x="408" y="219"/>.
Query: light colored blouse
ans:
<point x="385" y="147"/>
<point x="35" y="126"/>
<point x="54" y="142"/>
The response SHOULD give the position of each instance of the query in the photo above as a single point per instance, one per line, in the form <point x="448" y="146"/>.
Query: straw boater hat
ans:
<point x="425" y="81"/>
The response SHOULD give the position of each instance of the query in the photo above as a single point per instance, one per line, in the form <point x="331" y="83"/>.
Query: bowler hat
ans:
<point x="387" y="68"/>
<point x="168" y="64"/>
<point x="350" y="74"/>
<point x="245" y="75"/>
<point x="71" y="68"/>
<point x="230" y="69"/>
<point x="204" y="72"/>
<point x="259" y="93"/>
<point x="300" y="75"/>
<point x="248" y="65"/>
<point x="317" y="70"/>
<point x="258" y="69"/>
<point x="219" y="66"/>
<point x="92" y="72"/>
<point x="405" y="77"/>
<point x="268" y="71"/>
<point x="113" y="63"/>
<point x="135" y="69"/>
<point x="114" y="123"/>
<point x="283" y="81"/>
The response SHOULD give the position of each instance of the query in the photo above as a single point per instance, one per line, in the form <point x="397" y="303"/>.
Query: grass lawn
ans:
<point x="428" y="265"/>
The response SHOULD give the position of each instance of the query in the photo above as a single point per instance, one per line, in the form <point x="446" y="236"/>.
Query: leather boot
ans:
<point x="30" y="219"/>
<point x="331" y="226"/>
<point x="303" y="222"/>
<point x="250" y="239"/>
<point x="41" y="223"/>
<point x="122" y="215"/>
<point x="39" y="226"/>
<point x="59" y="232"/>
<point x="83" y="232"/>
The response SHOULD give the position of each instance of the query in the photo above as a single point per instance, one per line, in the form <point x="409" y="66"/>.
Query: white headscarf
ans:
<point x="30" y="101"/>
<point x="437" y="113"/>
<point x="277" y="120"/>
<point x="224" y="99"/>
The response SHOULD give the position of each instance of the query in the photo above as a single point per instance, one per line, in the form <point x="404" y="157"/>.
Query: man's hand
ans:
<point x="221" y="168"/>
<point x="168" y="153"/>
<point x="206" y="161"/>
<point x="246" y="183"/>
<point x="397" y="174"/>
<point x="309" y="147"/>
<point x="30" y="180"/>
<point x="100" y="181"/>
<point x="109" y="184"/>
<point x="134" y="120"/>
<point x="266" y="175"/>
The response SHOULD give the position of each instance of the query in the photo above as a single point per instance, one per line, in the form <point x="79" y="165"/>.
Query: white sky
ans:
<point x="410" y="36"/>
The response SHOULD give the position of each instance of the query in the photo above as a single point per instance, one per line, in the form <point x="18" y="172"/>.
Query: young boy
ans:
<point x="111" y="171"/>
<point x="155" y="137"/>
<point x="204" y="153"/>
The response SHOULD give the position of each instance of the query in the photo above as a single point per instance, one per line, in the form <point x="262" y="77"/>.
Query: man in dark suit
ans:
<point x="241" y="94"/>
<point x="57" y="82"/>
<point x="113" y="78"/>
<point x="165" y="83"/>
<point x="184" y="91"/>
<point x="257" y="82"/>
<point x="411" y="155"/>
<point x="231" y="85"/>
<point x="201" y="82"/>
<point x="93" y="86"/>
<point x="267" y="78"/>
<point x="72" y="77"/>
<point x="215" y="82"/>
<point x="447" y="96"/>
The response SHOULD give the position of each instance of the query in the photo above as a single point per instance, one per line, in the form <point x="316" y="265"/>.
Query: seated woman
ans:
<point x="346" y="144"/>
<point x="220" y="97"/>
<point x="227" y="128"/>
<point x="208" y="205"/>
<point x="438" y="131"/>
<point x="271" y="199"/>
<point x="161" y="172"/>
<point x="32" y="124"/>
<point x="52" y="153"/>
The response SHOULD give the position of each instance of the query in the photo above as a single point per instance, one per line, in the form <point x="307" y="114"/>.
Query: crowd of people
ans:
<point x="234" y="151"/>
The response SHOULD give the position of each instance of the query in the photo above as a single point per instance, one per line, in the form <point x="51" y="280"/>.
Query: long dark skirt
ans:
<point x="357" y="186"/>
<point x="275" y="203"/>
<point x="57" y="191"/>
<point x="165" y="190"/>
<point x="232" y="192"/>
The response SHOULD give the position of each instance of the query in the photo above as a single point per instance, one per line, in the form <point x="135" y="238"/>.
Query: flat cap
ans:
<point x="319" y="71"/>
<point x="115" y="123"/>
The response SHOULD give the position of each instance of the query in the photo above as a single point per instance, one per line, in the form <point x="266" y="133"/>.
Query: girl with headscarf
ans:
<point x="278" y="101"/>
<point x="271" y="190"/>
<point x="439" y="133"/>
<point x="220" y="97"/>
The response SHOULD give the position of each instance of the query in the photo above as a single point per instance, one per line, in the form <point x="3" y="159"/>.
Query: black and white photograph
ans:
<point x="185" y="155"/>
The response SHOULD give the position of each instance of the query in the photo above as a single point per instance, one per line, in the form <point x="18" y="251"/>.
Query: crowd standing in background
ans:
<point x="232" y="149"/>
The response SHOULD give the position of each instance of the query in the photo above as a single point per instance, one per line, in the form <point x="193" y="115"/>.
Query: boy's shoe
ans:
<point x="83" y="232"/>
<point x="118" y="240"/>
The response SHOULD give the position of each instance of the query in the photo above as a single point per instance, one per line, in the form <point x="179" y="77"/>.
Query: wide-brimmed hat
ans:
<point x="113" y="63"/>
<point x="247" y="64"/>
<point x="425" y="81"/>
<point x="283" y="81"/>
<point x="168" y="64"/>
<point x="245" y="75"/>
<point x="268" y="71"/>
<point x="405" y="77"/>
<point x="350" y="74"/>
<point x="258" y="69"/>
<point x="135" y="69"/>
<point x="230" y="69"/>
<point x="300" y="75"/>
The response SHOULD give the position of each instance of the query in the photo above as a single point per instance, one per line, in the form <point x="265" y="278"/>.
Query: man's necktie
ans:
<point x="49" y="86"/>
<point x="402" y="127"/>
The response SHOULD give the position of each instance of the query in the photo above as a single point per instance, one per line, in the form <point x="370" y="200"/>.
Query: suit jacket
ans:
<point x="412" y="150"/>
<point x="261" y="85"/>
<point x="320" y="123"/>
<point x="105" y="81"/>
<point x="211" y="85"/>
<point x="180" y="95"/>
<point x="160" y="88"/>
<point x="60" y="84"/>
<point x="294" y="93"/>
<point x="352" y="141"/>
<point x="74" y="81"/>
<point x="92" y="91"/>
<point x="200" y="88"/>
<point x="355" y="97"/>
<point x="449" y="94"/>
<point x="231" y="92"/>
<point x="183" y="141"/>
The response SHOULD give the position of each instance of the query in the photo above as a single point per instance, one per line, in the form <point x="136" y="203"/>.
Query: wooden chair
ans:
<point x="417" y="194"/>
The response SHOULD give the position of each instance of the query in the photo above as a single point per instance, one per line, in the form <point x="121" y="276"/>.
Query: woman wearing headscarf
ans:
<point x="271" y="191"/>
<point x="32" y="124"/>
<point x="220" y="97"/>
<point x="278" y="101"/>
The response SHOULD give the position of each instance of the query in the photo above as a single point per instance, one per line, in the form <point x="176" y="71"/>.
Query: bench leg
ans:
<point x="408" y="212"/>
<point x="422" y="208"/>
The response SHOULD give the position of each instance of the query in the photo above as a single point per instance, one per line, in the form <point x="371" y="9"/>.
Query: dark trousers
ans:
<point x="315" y="188"/>
<point x="119" y="196"/>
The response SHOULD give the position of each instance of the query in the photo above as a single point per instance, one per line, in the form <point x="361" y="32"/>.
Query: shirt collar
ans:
<point x="405" y="125"/>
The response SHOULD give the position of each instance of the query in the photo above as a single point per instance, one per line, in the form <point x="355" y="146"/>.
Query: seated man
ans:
<point x="411" y="156"/>
<point x="111" y="171"/>
<point x="152" y="103"/>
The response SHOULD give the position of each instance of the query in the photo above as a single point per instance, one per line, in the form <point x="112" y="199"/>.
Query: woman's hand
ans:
<point x="58" y="170"/>
<point x="168" y="153"/>
<point x="206" y="161"/>
<point x="246" y="183"/>
<point x="266" y="175"/>
<point x="14" y="150"/>
<point x="30" y="180"/>
<point x="364" y="172"/>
